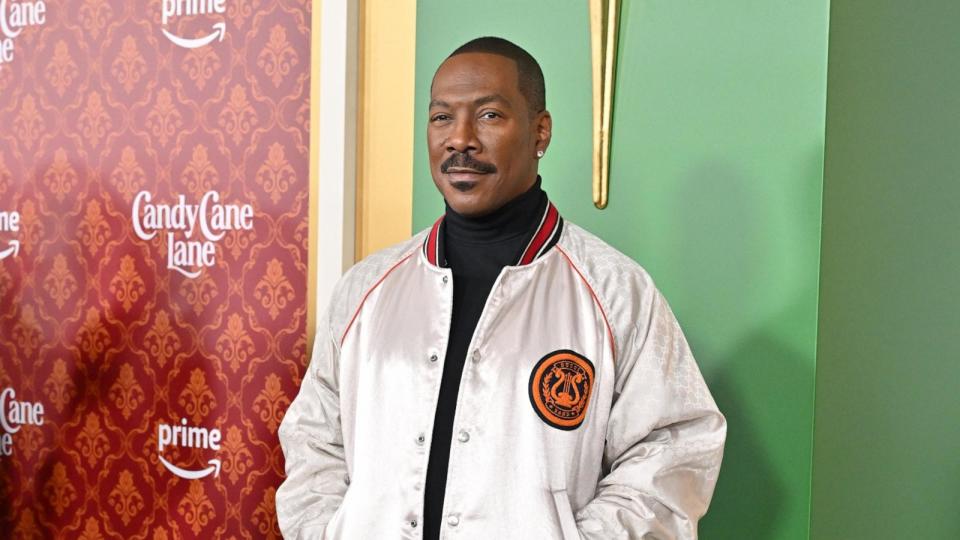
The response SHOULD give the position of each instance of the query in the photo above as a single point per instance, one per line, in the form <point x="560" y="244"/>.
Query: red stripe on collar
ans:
<point x="545" y="237"/>
<point x="431" y="246"/>
<point x="547" y="227"/>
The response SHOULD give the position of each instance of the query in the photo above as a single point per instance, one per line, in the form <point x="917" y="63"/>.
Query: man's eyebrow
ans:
<point x="477" y="102"/>
<point x="489" y="99"/>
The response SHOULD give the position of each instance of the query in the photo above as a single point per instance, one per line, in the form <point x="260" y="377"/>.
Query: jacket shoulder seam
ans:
<point x="404" y="258"/>
<point x="596" y="299"/>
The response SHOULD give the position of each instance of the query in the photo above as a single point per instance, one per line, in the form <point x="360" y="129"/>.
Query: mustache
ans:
<point x="466" y="161"/>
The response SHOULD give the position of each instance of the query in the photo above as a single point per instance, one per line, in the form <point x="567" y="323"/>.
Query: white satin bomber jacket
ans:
<point x="581" y="412"/>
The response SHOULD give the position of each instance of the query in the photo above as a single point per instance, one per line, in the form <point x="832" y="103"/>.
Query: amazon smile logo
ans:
<point x="172" y="9"/>
<point x="14" y="17"/>
<point x="9" y="222"/>
<point x="183" y="436"/>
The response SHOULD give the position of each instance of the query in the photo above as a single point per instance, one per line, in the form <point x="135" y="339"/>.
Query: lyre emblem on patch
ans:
<point x="560" y="386"/>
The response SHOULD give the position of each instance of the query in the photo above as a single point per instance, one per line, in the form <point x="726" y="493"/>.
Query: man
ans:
<point x="504" y="374"/>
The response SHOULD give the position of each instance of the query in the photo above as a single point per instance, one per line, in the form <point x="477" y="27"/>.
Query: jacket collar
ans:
<point x="544" y="237"/>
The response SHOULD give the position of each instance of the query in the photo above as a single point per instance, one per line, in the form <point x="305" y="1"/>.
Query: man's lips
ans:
<point x="463" y="170"/>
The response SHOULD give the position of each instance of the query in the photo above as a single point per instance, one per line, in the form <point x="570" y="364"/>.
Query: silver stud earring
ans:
<point x="539" y="153"/>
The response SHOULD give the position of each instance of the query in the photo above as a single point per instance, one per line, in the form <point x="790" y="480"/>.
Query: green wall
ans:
<point x="715" y="188"/>
<point x="887" y="446"/>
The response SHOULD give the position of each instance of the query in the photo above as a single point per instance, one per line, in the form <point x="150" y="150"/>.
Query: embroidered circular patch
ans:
<point x="560" y="386"/>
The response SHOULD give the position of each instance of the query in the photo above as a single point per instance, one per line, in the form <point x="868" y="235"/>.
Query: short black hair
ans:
<point x="529" y="74"/>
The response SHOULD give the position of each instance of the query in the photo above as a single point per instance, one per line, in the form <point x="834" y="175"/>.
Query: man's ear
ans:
<point x="543" y="125"/>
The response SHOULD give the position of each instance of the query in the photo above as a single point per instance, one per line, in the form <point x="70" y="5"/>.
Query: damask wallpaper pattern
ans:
<point x="154" y="229"/>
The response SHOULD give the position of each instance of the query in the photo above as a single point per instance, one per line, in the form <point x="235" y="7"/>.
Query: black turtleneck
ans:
<point x="475" y="249"/>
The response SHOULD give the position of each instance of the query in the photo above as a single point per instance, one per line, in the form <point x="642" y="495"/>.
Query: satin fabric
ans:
<point x="642" y="464"/>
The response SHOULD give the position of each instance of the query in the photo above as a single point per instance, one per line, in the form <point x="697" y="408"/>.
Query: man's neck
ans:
<point x="515" y="218"/>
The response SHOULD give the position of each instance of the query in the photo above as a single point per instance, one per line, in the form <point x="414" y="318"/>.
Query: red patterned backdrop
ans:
<point x="141" y="388"/>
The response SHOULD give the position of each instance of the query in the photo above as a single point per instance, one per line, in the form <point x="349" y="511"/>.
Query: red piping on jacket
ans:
<point x="613" y="341"/>
<point x="370" y="290"/>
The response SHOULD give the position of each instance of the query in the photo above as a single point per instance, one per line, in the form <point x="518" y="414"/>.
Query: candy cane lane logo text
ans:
<point x="14" y="415"/>
<point x="14" y="17"/>
<point x="201" y="226"/>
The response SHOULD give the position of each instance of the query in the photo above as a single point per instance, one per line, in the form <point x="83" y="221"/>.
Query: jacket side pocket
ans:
<point x="568" y="525"/>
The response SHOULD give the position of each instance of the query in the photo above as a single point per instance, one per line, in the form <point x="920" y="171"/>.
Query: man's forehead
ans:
<point x="470" y="76"/>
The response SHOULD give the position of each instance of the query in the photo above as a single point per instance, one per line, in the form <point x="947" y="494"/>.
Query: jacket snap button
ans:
<point x="434" y="357"/>
<point x="421" y="439"/>
<point x="464" y="436"/>
<point x="445" y="279"/>
<point x="453" y="521"/>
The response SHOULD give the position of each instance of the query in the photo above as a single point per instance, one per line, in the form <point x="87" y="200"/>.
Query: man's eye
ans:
<point x="439" y="118"/>
<point x="489" y="115"/>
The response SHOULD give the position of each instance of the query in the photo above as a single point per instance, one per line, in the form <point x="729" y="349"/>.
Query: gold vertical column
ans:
<point x="314" y="173"/>
<point x="604" y="24"/>
<point x="385" y="123"/>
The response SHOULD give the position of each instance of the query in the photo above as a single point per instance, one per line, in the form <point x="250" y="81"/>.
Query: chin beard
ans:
<point x="463" y="187"/>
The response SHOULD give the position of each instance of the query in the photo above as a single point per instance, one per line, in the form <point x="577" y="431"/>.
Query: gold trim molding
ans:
<point x="385" y="123"/>
<point x="314" y="173"/>
<point x="604" y="26"/>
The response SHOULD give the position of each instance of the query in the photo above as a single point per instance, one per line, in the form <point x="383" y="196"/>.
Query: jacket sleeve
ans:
<point x="312" y="443"/>
<point x="664" y="442"/>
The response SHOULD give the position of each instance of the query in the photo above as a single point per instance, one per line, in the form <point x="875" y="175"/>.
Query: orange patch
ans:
<point x="560" y="387"/>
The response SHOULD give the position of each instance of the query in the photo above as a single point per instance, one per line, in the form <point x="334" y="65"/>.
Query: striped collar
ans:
<point x="545" y="237"/>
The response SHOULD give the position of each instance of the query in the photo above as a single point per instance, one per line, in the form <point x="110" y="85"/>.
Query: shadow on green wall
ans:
<point x="722" y="256"/>
<point x="751" y="496"/>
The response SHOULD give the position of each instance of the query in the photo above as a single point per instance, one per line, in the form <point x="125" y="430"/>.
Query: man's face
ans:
<point x="482" y="139"/>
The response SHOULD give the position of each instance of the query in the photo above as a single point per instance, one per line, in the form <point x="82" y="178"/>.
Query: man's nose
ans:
<point x="463" y="136"/>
